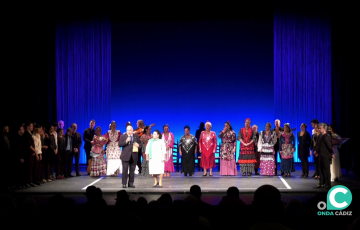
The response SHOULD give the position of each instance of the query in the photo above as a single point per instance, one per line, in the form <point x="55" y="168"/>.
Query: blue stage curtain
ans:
<point x="302" y="69"/>
<point x="83" y="74"/>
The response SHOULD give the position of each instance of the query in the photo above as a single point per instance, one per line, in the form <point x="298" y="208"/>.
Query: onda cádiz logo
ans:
<point x="338" y="198"/>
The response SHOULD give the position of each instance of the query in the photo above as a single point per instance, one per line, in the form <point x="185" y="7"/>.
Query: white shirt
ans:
<point x="69" y="143"/>
<point x="37" y="142"/>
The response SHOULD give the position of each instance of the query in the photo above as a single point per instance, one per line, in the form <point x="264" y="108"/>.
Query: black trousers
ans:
<point x="316" y="163"/>
<point x="276" y="149"/>
<point x="20" y="173"/>
<point x="58" y="163"/>
<point x="304" y="165"/>
<point x="30" y="164"/>
<point x="45" y="164"/>
<point x="50" y="163"/>
<point x="88" y="156"/>
<point x="77" y="159"/>
<point x="125" y="175"/>
<point x="68" y="163"/>
<point x="324" y="168"/>
<point x="139" y="160"/>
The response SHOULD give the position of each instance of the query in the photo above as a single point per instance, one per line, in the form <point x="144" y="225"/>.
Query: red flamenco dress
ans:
<point x="208" y="144"/>
<point x="247" y="157"/>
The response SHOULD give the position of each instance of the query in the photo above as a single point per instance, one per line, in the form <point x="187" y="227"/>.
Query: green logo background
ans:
<point x="339" y="198"/>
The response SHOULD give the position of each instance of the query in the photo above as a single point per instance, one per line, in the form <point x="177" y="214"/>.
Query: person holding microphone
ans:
<point x="130" y="143"/>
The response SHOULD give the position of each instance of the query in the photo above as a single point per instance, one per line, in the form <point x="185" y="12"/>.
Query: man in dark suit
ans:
<point x="278" y="130"/>
<point x="69" y="152"/>
<point x="88" y="137"/>
<point x="129" y="155"/>
<point x="76" y="141"/>
<point x="29" y="153"/>
<point x="325" y="152"/>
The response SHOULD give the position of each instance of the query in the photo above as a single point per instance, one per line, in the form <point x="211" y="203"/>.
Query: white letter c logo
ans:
<point x="332" y="198"/>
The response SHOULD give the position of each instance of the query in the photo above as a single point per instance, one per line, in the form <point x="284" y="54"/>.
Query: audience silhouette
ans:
<point x="267" y="211"/>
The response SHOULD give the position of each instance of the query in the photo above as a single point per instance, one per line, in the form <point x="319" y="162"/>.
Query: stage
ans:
<point x="213" y="188"/>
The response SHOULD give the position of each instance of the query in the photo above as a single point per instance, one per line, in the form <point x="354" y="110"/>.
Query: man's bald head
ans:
<point x="129" y="130"/>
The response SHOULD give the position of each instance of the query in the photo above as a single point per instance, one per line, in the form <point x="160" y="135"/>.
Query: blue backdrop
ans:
<point x="83" y="74"/>
<point x="186" y="72"/>
<point x="183" y="73"/>
<point x="302" y="69"/>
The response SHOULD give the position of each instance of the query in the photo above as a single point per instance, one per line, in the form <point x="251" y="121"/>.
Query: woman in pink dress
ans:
<point x="113" y="151"/>
<point x="98" y="163"/>
<point x="169" y="143"/>
<point x="207" y="147"/>
<point x="227" y="151"/>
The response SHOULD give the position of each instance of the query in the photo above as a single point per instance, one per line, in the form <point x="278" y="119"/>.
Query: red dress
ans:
<point x="207" y="145"/>
<point x="247" y="158"/>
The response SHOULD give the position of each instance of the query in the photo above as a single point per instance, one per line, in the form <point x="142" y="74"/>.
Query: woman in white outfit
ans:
<point x="113" y="151"/>
<point x="155" y="154"/>
<point x="335" y="167"/>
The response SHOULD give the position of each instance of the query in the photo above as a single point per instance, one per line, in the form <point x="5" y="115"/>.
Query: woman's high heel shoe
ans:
<point x="156" y="184"/>
<point x="205" y="174"/>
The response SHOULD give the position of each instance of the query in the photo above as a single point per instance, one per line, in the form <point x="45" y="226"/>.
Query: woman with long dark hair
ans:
<point x="227" y="151"/>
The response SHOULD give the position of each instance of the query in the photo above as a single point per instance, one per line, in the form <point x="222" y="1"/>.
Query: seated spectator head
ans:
<point x="98" y="193"/>
<point x="122" y="196"/>
<point x="267" y="194"/>
<point x="195" y="190"/>
<point x="294" y="208"/>
<point x="267" y="200"/>
<point x="233" y="192"/>
<point x="90" y="192"/>
<point x="165" y="200"/>
<point x="141" y="201"/>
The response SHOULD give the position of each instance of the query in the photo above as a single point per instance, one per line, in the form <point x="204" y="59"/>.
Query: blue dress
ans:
<point x="286" y="143"/>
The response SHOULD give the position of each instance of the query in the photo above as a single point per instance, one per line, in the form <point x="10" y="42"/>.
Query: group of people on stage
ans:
<point x="37" y="151"/>
<point x="40" y="150"/>
<point x="257" y="151"/>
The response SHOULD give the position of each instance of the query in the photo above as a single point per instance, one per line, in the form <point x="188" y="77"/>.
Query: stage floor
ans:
<point x="213" y="188"/>
<point x="179" y="184"/>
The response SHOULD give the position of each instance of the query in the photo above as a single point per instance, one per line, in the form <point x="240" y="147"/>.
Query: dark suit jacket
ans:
<point x="276" y="146"/>
<point x="88" y="137"/>
<point x="72" y="142"/>
<point x="324" y="146"/>
<point x="76" y="141"/>
<point x="127" y="147"/>
<point x="28" y="142"/>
